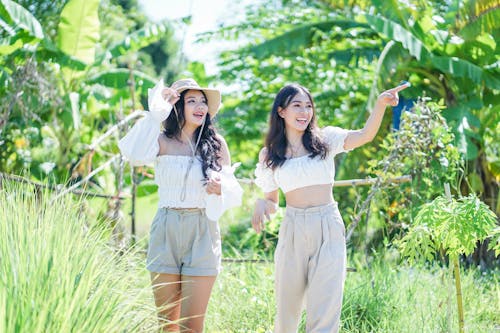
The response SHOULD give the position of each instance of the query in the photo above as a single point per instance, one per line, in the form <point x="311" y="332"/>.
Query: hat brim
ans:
<point x="213" y="98"/>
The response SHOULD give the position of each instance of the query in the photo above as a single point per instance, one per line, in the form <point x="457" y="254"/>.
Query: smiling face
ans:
<point x="195" y="108"/>
<point x="298" y="113"/>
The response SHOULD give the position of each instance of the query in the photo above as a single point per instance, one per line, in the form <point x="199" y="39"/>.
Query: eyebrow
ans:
<point x="297" y="101"/>
<point x="194" y="97"/>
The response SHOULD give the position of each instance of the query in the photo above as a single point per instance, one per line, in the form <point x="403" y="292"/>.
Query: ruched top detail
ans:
<point x="304" y="171"/>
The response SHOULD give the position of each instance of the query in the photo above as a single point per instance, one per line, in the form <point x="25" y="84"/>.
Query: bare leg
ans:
<point x="196" y="292"/>
<point x="167" y="290"/>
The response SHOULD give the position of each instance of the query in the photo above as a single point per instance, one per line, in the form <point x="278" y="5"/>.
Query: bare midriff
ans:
<point x="310" y="196"/>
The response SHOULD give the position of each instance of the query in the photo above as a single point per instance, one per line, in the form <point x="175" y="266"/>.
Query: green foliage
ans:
<point x="58" y="97"/>
<point x="242" y="299"/>
<point x="302" y="36"/>
<point x="332" y="51"/>
<point x="239" y="240"/>
<point x="138" y="39"/>
<point x="318" y="58"/>
<point x="422" y="148"/>
<point x="17" y="16"/>
<point x="377" y="298"/>
<point x="47" y="12"/>
<point x="452" y="226"/>
<point x="423" y="53"/>
<point x="59" y="273"/>
<point x="78" y="37"/>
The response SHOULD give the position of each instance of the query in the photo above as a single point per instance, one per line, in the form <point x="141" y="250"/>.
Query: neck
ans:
<point x="189" y="131"/>
<point x="294" y="137"/>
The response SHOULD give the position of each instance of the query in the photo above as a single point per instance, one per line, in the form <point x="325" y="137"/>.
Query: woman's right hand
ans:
<point x="263" y="209"/>
<point x="170" y="95"/>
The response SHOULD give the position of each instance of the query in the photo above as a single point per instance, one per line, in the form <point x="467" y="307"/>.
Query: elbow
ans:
<point x="369" y="138"/>
<point x="366" y="137"/>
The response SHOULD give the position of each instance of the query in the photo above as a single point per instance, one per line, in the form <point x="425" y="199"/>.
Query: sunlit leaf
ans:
<point x="119" y="78"/>
<point x="463" y="68"/>
<point x="136" y="40"/>
<point x="78" y="30"/>
<point x="298" y="38"/>
<point x="19" y="17"/>
<point x="484" y="19"/>
<point x="395" y="31"/>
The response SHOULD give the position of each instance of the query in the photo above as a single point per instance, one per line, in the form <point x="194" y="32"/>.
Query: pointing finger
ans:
<point x="402" y="86"/>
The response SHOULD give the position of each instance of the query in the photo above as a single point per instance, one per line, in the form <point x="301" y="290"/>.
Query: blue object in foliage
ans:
<point x="403" y="105"/>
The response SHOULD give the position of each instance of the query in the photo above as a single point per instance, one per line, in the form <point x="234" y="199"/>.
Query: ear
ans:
<point x="281" y="112"/>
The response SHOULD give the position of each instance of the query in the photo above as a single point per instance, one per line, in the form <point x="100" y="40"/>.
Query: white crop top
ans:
<point x="303" y="171"/>
<point x="140" y="146"/>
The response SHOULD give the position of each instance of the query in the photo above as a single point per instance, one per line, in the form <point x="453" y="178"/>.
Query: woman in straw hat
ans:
<point x="196" y="184"/>
<point x="310" y="257"/>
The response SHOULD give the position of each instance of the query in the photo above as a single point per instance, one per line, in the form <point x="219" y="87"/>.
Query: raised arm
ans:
<point x="358" y="138"/>
<point x="142" y="143"/>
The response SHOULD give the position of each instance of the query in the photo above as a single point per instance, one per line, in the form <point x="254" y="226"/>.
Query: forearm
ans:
<point x="374" y="121"/>
<point x="360" y="137"/>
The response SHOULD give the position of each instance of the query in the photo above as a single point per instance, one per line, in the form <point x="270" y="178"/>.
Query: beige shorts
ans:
<point x="185" y="242"/>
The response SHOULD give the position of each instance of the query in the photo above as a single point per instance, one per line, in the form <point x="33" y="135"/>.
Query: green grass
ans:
<point x="58" y="274"/>
<point x="380" y="298"/>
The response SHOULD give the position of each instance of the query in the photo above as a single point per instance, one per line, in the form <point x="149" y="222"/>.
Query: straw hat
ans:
<point x="213" y="95"/>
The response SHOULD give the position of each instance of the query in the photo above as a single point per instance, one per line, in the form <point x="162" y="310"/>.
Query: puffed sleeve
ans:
<point x="335" y="138"/>
<point x="140" y="145"/>
<point x="231" y="193"/>
<point x="264" y="178"/>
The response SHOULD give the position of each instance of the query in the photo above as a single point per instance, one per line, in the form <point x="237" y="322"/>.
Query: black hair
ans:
<point x="209" y="147"/>
<point x="276" y="142"/>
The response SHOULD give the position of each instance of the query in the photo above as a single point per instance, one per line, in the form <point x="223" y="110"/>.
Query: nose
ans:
<point x="201" y="106"/>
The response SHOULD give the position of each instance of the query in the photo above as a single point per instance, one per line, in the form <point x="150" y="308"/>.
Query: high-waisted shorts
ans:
<point x="185" y="242"/>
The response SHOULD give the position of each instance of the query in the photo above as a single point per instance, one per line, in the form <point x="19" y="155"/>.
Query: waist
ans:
<point x="322" y="209"/>
<point x="180" y="209"/>
<point x="184" y="211"/>
<point x="310" y="196"/>
<point x="174" y="198"/>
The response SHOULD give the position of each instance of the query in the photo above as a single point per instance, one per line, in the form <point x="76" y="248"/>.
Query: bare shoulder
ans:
<point x="262" y="154"/>
<point x="163" y="141"/>
<point x="221" y="139"/>
<point x="225" y="155"/>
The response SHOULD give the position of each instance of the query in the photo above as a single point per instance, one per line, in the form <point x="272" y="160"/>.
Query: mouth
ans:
<point x="199" y="115"/>
<point x="302" y="121"/>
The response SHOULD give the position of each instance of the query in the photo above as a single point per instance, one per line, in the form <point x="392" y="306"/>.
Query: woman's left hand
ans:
<point x="214" y="185"/>
<point x="390" y="97"/>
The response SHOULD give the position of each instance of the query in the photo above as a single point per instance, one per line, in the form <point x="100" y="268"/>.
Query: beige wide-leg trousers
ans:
<point x="310" y="261"/>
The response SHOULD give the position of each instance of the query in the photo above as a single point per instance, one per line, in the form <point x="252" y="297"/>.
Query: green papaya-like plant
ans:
<point x="452" y="226"/>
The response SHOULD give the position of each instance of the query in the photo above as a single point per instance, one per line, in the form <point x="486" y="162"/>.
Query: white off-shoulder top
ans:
<point x="303" y="171"/>
<point x="140" y="147"/>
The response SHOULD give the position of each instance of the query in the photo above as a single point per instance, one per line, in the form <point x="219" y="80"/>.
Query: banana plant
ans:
<point x="448" y="51"/>
<point x="84" y="78"/>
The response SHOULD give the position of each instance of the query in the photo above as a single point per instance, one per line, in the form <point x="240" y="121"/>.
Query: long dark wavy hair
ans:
<point x="276" y="142"/>
<point x="209" y="147"/>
